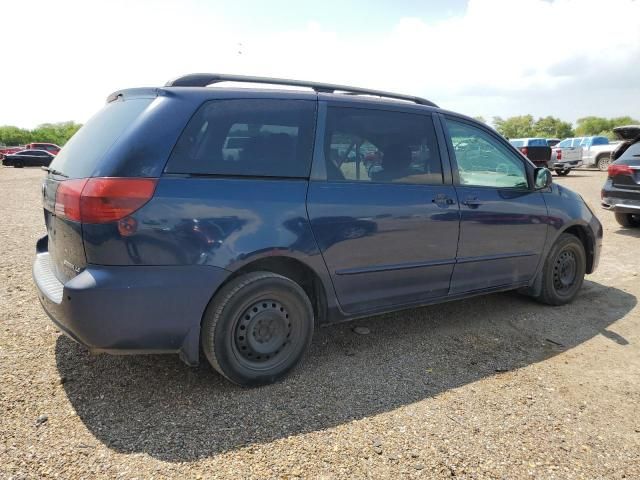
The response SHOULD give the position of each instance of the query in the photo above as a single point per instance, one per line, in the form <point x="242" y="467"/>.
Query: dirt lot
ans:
<point x="492" y="387"/>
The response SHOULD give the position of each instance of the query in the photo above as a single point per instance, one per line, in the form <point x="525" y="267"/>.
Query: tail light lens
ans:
<point x="559" y="154"/>
<point x="615" y="170"/>
<point x="68" y="199"/>
<point x="524" y="150"/>
<point x="102" y="200"/>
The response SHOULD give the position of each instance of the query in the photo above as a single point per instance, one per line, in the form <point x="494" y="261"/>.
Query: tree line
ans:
<point x="513" y="127"/>
<point x="57" y="133"/>
<point x="524" y="126"/>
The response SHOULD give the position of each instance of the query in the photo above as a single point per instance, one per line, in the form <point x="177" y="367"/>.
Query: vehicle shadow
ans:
<point x="157" y="405"/>
<point x="628" y="232"/>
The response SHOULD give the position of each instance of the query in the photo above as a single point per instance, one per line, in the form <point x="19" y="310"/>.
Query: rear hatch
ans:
<point x="629" y="134"/>
<point x="85" y="155"/>
<point x="625" y="172"/>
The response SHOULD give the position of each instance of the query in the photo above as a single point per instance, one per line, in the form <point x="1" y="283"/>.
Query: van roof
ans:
<point x="194" y="84"/>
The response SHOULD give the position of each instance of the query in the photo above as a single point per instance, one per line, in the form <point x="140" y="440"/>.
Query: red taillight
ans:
<point x="524" y="150"/>
<point x="68" y="199"/>
<point x="558" y="154"/>
<point x="615" y="170"/>
<point x="102" y="200"/>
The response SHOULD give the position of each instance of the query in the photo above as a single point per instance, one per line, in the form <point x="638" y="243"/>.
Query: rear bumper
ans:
<point x="620" y="200"/>
<point x="566" y="165"/>
<point x="621" y="205"/>
<point x="137" y="309"/>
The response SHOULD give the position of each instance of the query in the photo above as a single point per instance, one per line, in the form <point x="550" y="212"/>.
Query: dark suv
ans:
<point x="338" y="202"/>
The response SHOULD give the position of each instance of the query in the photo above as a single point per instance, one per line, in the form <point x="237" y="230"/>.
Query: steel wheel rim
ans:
<point x="263" y="333"/>
<point x="565" y="271"/>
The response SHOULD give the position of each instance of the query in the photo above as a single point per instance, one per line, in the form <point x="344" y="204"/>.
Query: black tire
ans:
<point x="563" y="271"/>
<point x="18" y="165"/>
<point x="257" y="328"/>
<point x="603" y="162"/>
<point x="628" y="220"/>
<point x="563" y="173"/>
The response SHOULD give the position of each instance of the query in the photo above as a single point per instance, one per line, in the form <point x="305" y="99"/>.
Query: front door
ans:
<point x="503" y="222"/>
<point x="385" y="220"/>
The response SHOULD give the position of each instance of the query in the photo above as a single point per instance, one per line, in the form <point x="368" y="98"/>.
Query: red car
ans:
<point x="9" y="150"/>
<point x="52" y="148"/>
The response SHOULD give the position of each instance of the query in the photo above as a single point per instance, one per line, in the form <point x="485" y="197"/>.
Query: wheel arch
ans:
<point x="586" y="238"/>
<point x="294" y="269"/>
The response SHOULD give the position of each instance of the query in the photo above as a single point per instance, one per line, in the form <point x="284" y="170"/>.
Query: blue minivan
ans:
<point x="232" y="221"/>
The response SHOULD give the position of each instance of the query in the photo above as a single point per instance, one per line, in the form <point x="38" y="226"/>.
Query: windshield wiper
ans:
<point x="53" y="171"/>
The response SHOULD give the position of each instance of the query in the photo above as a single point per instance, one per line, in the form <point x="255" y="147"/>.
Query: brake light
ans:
<point x="559" y="154"/>
<point x="615" y="170"/>
<point x="68" y="199"/>
<point x="524" y="150"/>
<point x="102" y="200"/>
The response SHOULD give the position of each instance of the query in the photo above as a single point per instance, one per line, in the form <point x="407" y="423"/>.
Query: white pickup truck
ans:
<point x="594" y="151"/>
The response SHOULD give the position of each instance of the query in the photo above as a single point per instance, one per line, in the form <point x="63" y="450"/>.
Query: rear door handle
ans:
<point x="472" y="202"/>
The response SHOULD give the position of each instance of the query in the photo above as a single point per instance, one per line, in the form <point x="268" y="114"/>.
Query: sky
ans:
<point x="567" y="58"/>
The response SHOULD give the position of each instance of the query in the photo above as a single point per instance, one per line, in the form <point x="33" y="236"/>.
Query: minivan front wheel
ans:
<point x="257" y="328"/>
<point x="563" y="271"/>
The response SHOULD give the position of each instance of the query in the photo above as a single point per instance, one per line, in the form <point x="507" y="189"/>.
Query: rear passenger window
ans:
<point x="247" y="137"/>
<point x="379" y="146"/>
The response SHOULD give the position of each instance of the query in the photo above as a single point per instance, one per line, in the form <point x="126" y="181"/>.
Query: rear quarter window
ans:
<point x="250" y="137"/>
<point x="81" y="155"/>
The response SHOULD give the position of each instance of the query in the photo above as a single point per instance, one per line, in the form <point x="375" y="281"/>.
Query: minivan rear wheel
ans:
<point x="563" y="271"/>
<point x="257" y="328"/>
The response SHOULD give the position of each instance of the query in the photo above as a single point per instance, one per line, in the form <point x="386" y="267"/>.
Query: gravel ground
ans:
<point x="491" y="387"/>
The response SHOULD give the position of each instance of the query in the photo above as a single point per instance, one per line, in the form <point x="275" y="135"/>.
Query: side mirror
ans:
<point x="542" y="178"/>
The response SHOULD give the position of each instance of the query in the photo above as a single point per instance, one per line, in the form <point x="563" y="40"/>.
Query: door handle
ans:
<point x="472" y="202"/>
<point x="443" y="200"/>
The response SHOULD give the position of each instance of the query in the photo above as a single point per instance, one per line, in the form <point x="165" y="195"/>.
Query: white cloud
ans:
<point x="567" y="58"/>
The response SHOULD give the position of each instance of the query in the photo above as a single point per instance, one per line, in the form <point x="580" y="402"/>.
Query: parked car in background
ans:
<point x="552" y="142"/>
<point x="9" y="150"/>
<point x="535" y="149"/>
<point x="566" y="155"/>
<point x="156" y="242"/>
<point x="48" y="147"/>
<point x="596" y="152"/>
<point x="621" y="191"/>
<point x="28" y="158"/>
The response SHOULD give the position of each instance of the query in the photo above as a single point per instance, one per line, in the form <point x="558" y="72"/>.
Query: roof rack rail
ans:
<point x="205" y="79"/>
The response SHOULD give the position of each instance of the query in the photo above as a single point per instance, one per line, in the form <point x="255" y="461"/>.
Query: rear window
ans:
<point x="83" y="152"/>
<point x="600" y="141"/>
<point x="252" y="137"/>
<point x="517" y="143"/>
<point x="537" y="142"/>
